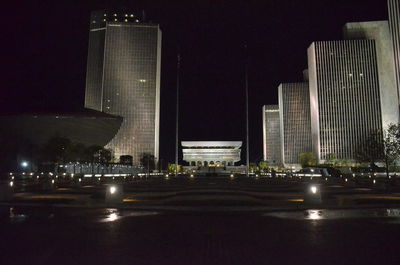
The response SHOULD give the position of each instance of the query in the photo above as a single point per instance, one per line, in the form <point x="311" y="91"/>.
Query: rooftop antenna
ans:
<point x="178" y="67"/>
<point x="247" y="109"/>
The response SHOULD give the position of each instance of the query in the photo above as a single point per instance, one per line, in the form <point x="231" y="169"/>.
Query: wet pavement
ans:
<point x="58" y="235"/>
<point x="203" y="221"/>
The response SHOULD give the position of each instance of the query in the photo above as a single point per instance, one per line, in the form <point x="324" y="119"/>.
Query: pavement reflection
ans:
<point x="324" y="214"/>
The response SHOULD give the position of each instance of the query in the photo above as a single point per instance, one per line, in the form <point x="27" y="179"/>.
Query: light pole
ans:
<point x="177" y="113"/>
<point x="247" y="111"/>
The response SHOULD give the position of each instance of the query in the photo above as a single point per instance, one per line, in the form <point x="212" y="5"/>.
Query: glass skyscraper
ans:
<point x="344" y="96"/>
<point x="271" y="135"/>
<point x="379" y="31"/>
<point x="394" y="25"/>
<point x="123" y="78"/>
<point x="295" y="123"/>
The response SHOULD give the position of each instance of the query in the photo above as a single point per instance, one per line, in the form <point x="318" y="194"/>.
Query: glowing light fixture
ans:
<point x="313" y="189"/>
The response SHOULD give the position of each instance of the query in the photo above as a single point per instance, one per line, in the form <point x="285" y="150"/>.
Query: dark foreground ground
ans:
<point x="206" y="222"/>
<point x="108" y="236"/>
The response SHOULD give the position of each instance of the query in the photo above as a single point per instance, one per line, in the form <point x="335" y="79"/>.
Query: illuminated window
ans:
<point x="126" y="15"/>
<point x="115" y="19"/>
<point x="104" y="19"/>
<point x="115" y="15"/>
<point x="126" y="20"/>
<point x="137" y="20"/>
<point x="131" y="15"/>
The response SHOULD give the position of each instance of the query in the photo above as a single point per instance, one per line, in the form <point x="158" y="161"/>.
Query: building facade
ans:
<point x="271" y="134"/>
<point x="123" y="78"/>
<point x="379" y="31"/>
<point x="344" y="96"/>
<point x="394" y="25"/>
<point x="211" y="153"/>
<point x="295" y="121"/>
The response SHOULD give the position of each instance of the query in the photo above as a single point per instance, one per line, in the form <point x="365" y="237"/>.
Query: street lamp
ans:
<point x="24" y="164"/>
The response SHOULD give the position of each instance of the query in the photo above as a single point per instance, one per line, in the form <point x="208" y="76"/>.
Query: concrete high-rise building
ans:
<point x="394" y="25"/>
<point x="123" y="78"/>
<point x="379" y="31"/>
<point x="344" y="96"/>
<point x="295" y="121"/>
<point x="271" y="134"/>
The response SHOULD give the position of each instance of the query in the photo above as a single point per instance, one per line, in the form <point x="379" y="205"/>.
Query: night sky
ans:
<point x="45" y="51"/>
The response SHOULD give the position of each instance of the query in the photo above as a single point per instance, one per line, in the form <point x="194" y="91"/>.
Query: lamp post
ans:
<point x="247" y="111"/>
<point x="178" y="66"/>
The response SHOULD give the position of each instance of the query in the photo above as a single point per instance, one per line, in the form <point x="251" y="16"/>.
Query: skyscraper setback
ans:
<point x="379" y="31"/>
<point x="123" y="78"/>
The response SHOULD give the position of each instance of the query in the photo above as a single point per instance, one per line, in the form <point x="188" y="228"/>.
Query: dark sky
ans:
<point x="45" y="50"/>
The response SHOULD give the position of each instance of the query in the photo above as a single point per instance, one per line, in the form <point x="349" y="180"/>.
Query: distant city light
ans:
<point x="113" y="189"/>
<point x="24" y="164"/>
<point x="11" y="183"/>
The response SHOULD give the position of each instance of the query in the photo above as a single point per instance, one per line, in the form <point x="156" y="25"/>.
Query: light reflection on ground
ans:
<point x="16" y="218"/>
<point x="112" y="215"/>
<point x="322" y="214"/>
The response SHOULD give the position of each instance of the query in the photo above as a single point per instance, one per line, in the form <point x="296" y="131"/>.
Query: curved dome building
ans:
<point x="88" y="127"/>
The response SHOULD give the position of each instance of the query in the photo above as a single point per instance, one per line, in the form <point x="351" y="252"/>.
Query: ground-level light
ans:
<point x="113" y="189"/>
<point x="313" y="189"/>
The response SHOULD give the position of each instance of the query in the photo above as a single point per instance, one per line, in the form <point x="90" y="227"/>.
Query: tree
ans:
<point x="96" y="153"/>
<point x="331" y="159"/>
<point x="147" y="161"/>
<point x="172" y="168"/>
<point x="253" y="167"/>
<point x="371" y="150"/>
<point x="75" y="152"/>
<point x="307" y="159"/>
<point x="263" y="165"/>
<point x="381" y="147"/>
<point x="126" y="159"/>
<point x="54" y="150"/>
<point x="391" y="142"/>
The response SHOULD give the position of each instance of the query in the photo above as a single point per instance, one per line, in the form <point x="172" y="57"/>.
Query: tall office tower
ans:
<point x="123" y="78"/>
<point x="344" y="96"/>
<point x="394" y="24"/>
<point x="295" y="121"/>
<point x="271" y="135"/>
<point x="379" y="31"/>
